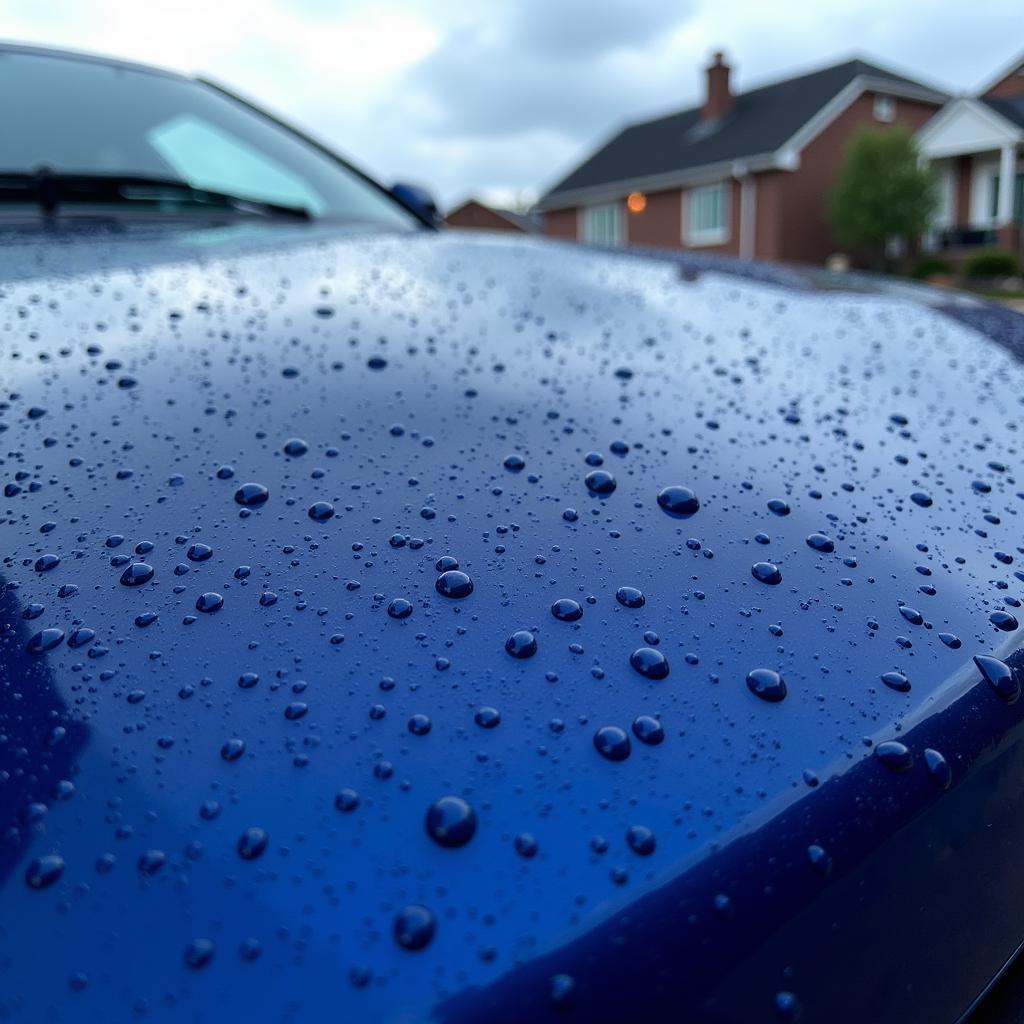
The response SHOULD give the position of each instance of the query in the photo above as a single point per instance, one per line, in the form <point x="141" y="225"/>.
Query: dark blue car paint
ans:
<point x="793" y="872"/>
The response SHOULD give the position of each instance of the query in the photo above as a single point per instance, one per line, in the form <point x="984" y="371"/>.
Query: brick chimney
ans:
<point x="718" y="101"/>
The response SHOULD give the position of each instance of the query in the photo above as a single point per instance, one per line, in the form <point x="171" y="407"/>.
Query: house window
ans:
<point x="885" y="108"/>
<point x="602" y="225"/>
<point x="1018" y="199"/>
<point x="707" y="221"/>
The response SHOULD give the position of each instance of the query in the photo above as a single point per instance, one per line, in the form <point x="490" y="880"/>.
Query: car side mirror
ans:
<point x="419" y="200"/>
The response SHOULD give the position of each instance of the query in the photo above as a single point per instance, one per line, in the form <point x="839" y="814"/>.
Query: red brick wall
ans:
<point x="804" y="234"/>
<point x="659" y="224"/>
<point x="476" y="215"/>
<point x="768" y="203"/>
<point x="560" y="223"/>
<point x="1007" y="86"/>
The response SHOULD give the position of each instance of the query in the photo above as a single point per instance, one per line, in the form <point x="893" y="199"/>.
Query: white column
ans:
<point x="1007" y="175"/>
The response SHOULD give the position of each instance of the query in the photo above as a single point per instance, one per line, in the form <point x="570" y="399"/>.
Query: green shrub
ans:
<point x="991" y="263"/>
<point x="882" y="192"/>
<point x="929" y="266"/>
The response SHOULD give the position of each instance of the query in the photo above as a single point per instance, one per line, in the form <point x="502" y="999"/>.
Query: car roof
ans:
<point x="33" y="50"/>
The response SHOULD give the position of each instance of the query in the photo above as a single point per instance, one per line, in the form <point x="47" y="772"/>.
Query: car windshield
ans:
<point x="87" y="117"/>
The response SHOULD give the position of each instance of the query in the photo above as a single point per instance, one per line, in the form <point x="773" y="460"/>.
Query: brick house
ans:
<point x="743" y="174"/>
<point x="976" y="144"/>
<point x="474" y="214"/>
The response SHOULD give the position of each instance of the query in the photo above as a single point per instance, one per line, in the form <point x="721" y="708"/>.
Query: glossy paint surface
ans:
<point x="449" y="716"/>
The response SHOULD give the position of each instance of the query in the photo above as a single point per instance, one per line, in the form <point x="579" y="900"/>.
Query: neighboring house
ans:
<point x="474" y="214"/>
<point x="976" y="145"/>
<point x="745" y="174"/>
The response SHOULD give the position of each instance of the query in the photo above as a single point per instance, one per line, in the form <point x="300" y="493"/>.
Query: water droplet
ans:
<point x="895" y="756"/>
<point x="420" y="725"/>
<point x="151" y="861"/>
<point x="295" y="447"/>
<point x="250" y="950"/>
<point x="561" y="991"/>
<point x="44" y="563"/>
<point x="451" y="822"/>
<point x="81" y="636"/>
<point x="787" y="1007"/>
<point x="766" y="572"/>
<point x="1004" y="621"/>
<point x="346" y="800"/>
<point x="454" y="584"/>
<point x="565" y="609"/>
<point x="951" y="640"/>
<point x="295" y="710"/>
<point x="45" y="640"/>
<point x="521" y="644"/>
<point x="321" y="511"/>
<point x="938" y="768"/>
<point x="612" y="742"/>
<point x="232" y="749"/>
<point x="44" y="871"/>
<point x="414" y="927"/>
<point x="630" y="597"/>
<point x="487" y="717"/>
<point x="209" y="602"/>
<point x="922" y="499"/>
<point x="514" y="463"/>
<point x="252" y="843"/>
<point x="526" y="845"/>
<point x="136" y="574"/>
<point x="912" y="615"/>
<point x="251" y="494"/>
<point x="600" y="482"/>
<point x="400" y="608"/>
<point x="821" y="543"/>
<point x="198" y="953"/>
<point x="649" y="662"/>
<point x="778" y="507"/>
<point x="896" y="681"/>
<point x="766" y="684"/>
<point x="999" y="676"/>
<point x="199" y="552"/>
<point x="641" y="840"/>
<point x="678" y="502"/>
<point x="820" y="859"/>
<point x="649" y="730"/>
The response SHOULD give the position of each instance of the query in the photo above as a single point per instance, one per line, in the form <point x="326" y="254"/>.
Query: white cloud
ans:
<point x="500" y="96"/>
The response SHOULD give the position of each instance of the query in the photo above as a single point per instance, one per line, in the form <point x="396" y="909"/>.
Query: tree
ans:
<point x="883" y="192"/>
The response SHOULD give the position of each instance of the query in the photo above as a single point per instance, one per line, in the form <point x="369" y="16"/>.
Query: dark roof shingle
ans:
<point x="1012" y="108"/>
<point x="760" y="121"/>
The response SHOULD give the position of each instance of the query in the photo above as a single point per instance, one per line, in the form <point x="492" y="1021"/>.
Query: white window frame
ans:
<point x="884" y="108"/>
<point x="589" y="219"/>
<point x="717" y="235"/>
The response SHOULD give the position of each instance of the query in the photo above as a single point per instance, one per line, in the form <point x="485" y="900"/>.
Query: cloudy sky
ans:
<point x="500" y="97"/>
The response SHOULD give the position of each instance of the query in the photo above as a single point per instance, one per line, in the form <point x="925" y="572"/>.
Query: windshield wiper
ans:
<point x="51" y="189"/>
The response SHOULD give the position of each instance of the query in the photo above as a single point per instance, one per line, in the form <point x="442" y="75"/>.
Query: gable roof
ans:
<point x="1008" y="71"/>
<point x="530" y="222"/>
<point x="761" y="121"/>
<point x="969" y="125"/>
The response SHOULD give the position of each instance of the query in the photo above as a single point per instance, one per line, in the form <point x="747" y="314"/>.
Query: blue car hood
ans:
<point x="229" y="714"/>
